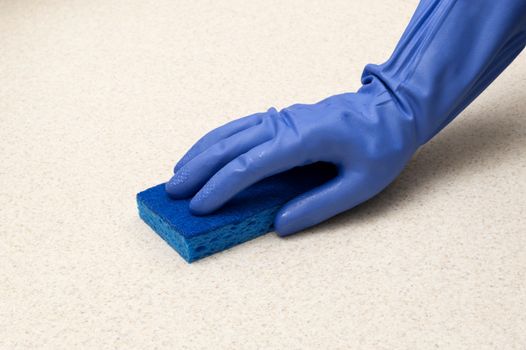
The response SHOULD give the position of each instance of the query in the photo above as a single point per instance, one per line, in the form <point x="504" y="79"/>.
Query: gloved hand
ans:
<point x="450" y="52"/>
<point x="363" y="134"/>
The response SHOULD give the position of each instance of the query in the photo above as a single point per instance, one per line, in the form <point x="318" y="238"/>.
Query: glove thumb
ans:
<point x="314" y="206"/>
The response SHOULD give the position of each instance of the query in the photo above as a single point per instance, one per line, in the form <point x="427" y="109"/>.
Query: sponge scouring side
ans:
<point x="246" y="216"/>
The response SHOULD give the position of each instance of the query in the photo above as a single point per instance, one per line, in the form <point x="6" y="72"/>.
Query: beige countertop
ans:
<point x="98" y="99"/>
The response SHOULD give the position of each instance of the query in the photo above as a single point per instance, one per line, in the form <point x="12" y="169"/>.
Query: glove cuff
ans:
<point x="450" y="52"/>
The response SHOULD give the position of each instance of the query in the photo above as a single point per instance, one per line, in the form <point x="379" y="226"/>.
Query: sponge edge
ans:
<point x="246" y="216"/>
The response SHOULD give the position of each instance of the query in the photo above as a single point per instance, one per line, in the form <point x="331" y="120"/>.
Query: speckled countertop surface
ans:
<point x="98" y="99"/>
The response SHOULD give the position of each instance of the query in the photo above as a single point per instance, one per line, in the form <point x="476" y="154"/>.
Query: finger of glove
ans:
<point x="217" y="135"/>
<point x="194" y="174"/>
<point x="262" y="161"/>
<point x="319" y="204"/>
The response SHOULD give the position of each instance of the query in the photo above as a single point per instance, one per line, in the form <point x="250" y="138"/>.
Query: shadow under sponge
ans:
<point x="246" y="216"/>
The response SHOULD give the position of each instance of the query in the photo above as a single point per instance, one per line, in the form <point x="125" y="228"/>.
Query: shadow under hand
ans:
<point x="464" y="146"/>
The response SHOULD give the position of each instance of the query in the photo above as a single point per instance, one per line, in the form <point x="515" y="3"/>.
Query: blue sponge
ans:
<point x="248" y="215"/>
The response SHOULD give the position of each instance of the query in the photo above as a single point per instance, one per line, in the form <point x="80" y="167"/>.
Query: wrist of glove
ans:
<point x="365" y="134"/>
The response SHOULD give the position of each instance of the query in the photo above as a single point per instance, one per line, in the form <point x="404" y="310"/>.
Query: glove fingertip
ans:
<point x="284" y="224"/>
<point x="198" y="207"/>
<point x="204" y="201"/>
<point x="175" y="187"/>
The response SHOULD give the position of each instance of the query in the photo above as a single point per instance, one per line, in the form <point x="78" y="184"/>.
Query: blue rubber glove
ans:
<point x="450" y="52"/>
